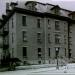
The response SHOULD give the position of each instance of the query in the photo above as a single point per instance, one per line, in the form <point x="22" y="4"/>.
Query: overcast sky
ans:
<point x="67" y="4"/>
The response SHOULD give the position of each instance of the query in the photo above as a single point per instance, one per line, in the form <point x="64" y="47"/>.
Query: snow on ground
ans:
<point x="69" y="69"/>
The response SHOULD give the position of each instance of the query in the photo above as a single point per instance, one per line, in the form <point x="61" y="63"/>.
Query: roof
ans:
<point x="55" y="7"/>
<point x="72" y="13"/>
<point x="35" y="13"/>
<point x="34" y="2"/>
<point x="30" y="2"/>
<point x="47" y="4"/>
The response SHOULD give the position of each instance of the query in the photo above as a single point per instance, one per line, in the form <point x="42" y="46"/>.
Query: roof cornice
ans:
<point x="40" y="14"/>
<point x="37" y="14"/>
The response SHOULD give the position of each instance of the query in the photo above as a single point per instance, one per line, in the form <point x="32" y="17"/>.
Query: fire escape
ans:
<point x="4" y="32"/>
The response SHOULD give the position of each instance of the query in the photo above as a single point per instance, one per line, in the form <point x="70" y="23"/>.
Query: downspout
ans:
<point x="45" y="40"/>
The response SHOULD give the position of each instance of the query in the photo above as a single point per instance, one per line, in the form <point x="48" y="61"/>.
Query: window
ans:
<point x="5" y="40"/>
<point x="49" y="52"/>
<point x="12" y="52"/>
<point x="38" y="23"/>
<point x="24" y="36"/>
<point x="57" y="51"/>
<point x="32" y="7"/>
<point x="48" y="22"/>
<point x="5" y="28"/>
<point x="25" y="62"/>
<point x="39" y="62"/>
<point x="39" y="41"/>
<point x="39" y="37"/>
<point x="49" y="38"/>
<point x="70" y="53"/>
<point x="39" y="55"/>
<point x="39" y="52"/>
<point x="12" y="23"/>
<point x="25" y="52"/>
<point x="57" y="39"/>
<point x="24" y="20"/>
<point x="57" y="11"/>
<point x="12" y="37"/>
<point x="57" y="25"/>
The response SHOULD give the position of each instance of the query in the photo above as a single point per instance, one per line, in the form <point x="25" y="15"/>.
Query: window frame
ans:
<point x="39" y="52"/>
<point x="57" y="39"/>
<point x="38" y="22"/>
<point x="49" y="40"/>
<point x="24" y="20"/>
<point x="24" y="55"/>
<point x="24" y="35"/>
<point x="49" y="52"/>
<point x="39" y="35"/>
<point x="57" y="25"/>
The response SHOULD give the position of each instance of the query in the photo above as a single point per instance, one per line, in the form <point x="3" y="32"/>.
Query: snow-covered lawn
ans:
<point x="69" y="69"/>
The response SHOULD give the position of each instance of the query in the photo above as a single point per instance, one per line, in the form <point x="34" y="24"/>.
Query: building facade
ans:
<point x="34" y="32"/>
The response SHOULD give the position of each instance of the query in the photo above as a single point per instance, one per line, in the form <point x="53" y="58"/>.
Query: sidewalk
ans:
<point x="3" y="69"/>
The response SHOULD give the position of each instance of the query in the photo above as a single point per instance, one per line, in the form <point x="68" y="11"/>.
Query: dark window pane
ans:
<point x="12" y="23"/>
<point x="38" y="23"/>
<point x="38" y="35"/>
<point x="24" y="20"/>
<point x="39" y="50"/>
<point x="24" y="51"/>
<point x="49" y="52"/>
<point x="39" y="62"/>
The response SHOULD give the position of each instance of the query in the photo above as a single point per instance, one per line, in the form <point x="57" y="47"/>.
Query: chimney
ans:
<point x="7" y="6"/>
<point x="13" y="4"/>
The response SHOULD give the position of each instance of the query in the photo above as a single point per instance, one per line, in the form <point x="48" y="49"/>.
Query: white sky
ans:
<point x="67" y="4"/>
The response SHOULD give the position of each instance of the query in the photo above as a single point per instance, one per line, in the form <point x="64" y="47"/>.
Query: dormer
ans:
<point x="56" y="10"/>
<point x="72" y="15"/>
<point x="13" y="4"/>
<point x="31" y="5"/>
